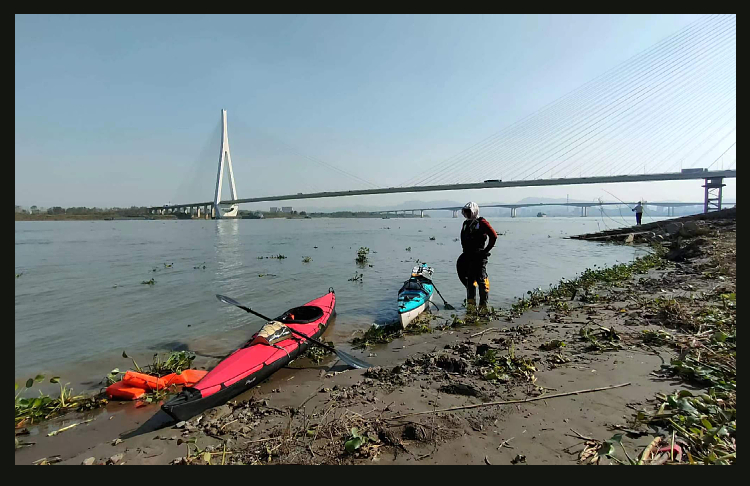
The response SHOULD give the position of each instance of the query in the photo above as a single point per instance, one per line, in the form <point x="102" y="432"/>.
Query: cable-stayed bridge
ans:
<point x="668" y="113"/>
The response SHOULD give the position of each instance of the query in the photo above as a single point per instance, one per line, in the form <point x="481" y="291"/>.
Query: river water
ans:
<point x="80" y="303"/>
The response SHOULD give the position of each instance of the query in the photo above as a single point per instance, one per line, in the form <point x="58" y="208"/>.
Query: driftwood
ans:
<point x="509" y="402"/>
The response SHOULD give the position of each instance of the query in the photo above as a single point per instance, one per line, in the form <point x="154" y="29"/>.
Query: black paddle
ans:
<point x="346" y="358"/>
<point x="445" y="304"/>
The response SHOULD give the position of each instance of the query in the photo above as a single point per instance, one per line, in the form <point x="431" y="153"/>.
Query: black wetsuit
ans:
<point x="472" y="264"/>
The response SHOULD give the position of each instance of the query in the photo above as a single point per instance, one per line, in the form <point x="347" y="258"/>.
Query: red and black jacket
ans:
<point x="474" y="236"/>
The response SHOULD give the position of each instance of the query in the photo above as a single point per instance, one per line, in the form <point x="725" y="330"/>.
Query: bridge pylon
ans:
<point x="220" y="212"/>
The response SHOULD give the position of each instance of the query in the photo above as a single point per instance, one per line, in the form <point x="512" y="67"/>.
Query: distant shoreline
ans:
<point x="85" y="217"/>
<point x="112" y="217"/>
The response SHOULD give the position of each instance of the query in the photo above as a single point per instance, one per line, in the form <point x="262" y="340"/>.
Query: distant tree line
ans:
<point x="126" y="212"/>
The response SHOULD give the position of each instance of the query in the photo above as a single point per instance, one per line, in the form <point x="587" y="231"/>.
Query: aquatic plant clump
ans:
<point x="36" y="409"/>
<point x="362" y="255"/>
<point x="568" y="289"/>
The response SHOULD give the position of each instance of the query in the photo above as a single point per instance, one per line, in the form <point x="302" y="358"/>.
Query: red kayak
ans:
<point x="253" y="363"/>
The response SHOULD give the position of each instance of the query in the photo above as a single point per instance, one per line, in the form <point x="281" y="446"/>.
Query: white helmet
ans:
<point x="470" y="210"/>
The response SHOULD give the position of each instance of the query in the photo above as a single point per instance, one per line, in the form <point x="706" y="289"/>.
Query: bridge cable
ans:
<point x="663" y="84"/>
<point x="568" y="130"/>
<point x="555" y="103"/>
<point x="722" y="154"/>
<point x="662" y="121"/>
<point x="521" y="147"/>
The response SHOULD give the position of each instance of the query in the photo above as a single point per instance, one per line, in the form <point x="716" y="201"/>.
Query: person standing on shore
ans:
<point x="638" y="213"/>
<point x="472" y="263"/>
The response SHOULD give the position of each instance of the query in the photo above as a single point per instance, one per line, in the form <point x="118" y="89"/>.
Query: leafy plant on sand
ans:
<point x="567" y="289"/>
<point x="600" y="338"/>
<point x="356" y="440"/>
<point x="475" y="316"/>
<point x="552" y="345"/>
<point x="35" y="409"/>
<point x="175" y="362"/>
<point x="690" y="429"/>
<point x="502" y="368"/>
<point x="317" y="354"/>
<point x="385" y="334"/>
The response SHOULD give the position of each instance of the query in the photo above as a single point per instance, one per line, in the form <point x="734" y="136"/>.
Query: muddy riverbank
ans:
<point x="659" y="326"/>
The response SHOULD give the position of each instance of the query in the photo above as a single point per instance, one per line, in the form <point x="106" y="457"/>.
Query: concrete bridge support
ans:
<point x="513" y="212"/>
<point x="712" y="200"/>
<point x="584" y="211"/>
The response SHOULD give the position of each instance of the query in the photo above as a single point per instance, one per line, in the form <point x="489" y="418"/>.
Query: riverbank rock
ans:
<point x="692" y="250"/>
<point x="673" y="228"/>
<point x="691" y="228"/>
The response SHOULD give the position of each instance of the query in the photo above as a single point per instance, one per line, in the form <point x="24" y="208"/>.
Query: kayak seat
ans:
<point x="302" y="315"/>
<point x="412" y="286"/>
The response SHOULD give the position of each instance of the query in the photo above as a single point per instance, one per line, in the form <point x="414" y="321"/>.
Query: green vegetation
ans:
<point x="317" y="354"/>
<point x="502" y="368"/>
<point x="552" y="345"/>
<point x="149" y="282"/>
<point x="581" y="285"/>
<point x="377" y="335"/>
<point x="33" y="410"/>
<point x="692" y="428"/>
<point x="600" y="338"/>
<point x="306" y="259"/>
<point x="362" y="255"/>
<point x="385" y="334"/>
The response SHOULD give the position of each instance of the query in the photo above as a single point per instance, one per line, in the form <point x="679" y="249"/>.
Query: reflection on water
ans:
<point x="89" y="274"/>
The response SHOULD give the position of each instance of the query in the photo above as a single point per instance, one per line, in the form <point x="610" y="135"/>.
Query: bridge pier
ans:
<point x="712" y="201"/>
<point x="584" y="211"/>
<point x="513" y="212"/>
<point x="455" y="213"/>
<point x="421" y="213"/>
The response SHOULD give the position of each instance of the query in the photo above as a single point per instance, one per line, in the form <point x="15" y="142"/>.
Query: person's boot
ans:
<point x="484" y="291"/>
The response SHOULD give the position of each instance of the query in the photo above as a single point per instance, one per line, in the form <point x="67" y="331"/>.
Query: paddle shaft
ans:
<point x="441" y="296"/>
<point x="247" y="309"/>
<point x="346" y="358"/>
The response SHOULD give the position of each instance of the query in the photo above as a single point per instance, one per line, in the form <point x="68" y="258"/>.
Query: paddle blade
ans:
<point x="228" y="300"/>
<point x="448" y="306"/>
<point x="352" y="361"/>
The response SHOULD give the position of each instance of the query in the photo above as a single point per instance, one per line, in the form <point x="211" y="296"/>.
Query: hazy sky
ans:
<point x="124" y="110"/>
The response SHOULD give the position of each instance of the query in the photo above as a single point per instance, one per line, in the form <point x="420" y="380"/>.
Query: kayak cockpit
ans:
<point x="302" y="315"/>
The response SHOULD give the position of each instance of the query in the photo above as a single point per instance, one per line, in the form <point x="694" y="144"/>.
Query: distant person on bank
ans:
<point x="638" y="213"/>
